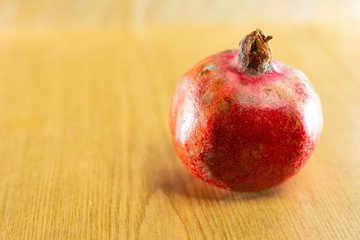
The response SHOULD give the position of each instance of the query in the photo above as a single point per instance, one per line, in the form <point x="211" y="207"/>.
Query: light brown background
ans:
<point x="85" y="151"/>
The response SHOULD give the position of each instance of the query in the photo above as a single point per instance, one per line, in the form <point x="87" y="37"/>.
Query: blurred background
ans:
<point x="82" y="13"/>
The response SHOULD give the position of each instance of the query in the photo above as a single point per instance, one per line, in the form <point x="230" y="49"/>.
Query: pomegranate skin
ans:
<point x="244" y="130"/>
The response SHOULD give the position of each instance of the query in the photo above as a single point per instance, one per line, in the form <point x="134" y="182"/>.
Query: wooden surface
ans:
<point x="85" y="151"/>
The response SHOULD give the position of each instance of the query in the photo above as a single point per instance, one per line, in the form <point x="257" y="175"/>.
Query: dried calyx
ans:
<point x="255" y="54"/>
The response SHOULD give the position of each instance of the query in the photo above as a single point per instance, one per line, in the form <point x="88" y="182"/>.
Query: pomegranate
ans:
<point x="242" y="121"/>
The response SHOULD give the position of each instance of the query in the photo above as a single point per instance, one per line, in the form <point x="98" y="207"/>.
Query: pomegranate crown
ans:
<point x="255" y="55"/>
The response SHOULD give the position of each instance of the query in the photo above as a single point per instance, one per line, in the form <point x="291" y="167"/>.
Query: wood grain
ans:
<point x="85" y="151"/>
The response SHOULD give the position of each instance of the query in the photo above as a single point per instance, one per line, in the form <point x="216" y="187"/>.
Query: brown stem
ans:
<point x="255" y="54"/>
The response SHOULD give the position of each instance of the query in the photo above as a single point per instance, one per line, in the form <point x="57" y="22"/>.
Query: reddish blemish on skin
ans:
<point x="242" y="121"/>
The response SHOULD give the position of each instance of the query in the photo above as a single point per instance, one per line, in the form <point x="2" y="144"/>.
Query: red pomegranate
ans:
<point x="242" y="121"/>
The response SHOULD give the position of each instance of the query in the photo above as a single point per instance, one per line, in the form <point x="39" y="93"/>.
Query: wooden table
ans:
<point x="85" y="150"/>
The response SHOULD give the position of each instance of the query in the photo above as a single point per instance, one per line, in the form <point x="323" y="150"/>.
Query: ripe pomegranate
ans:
<point x="242" y="121"/>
